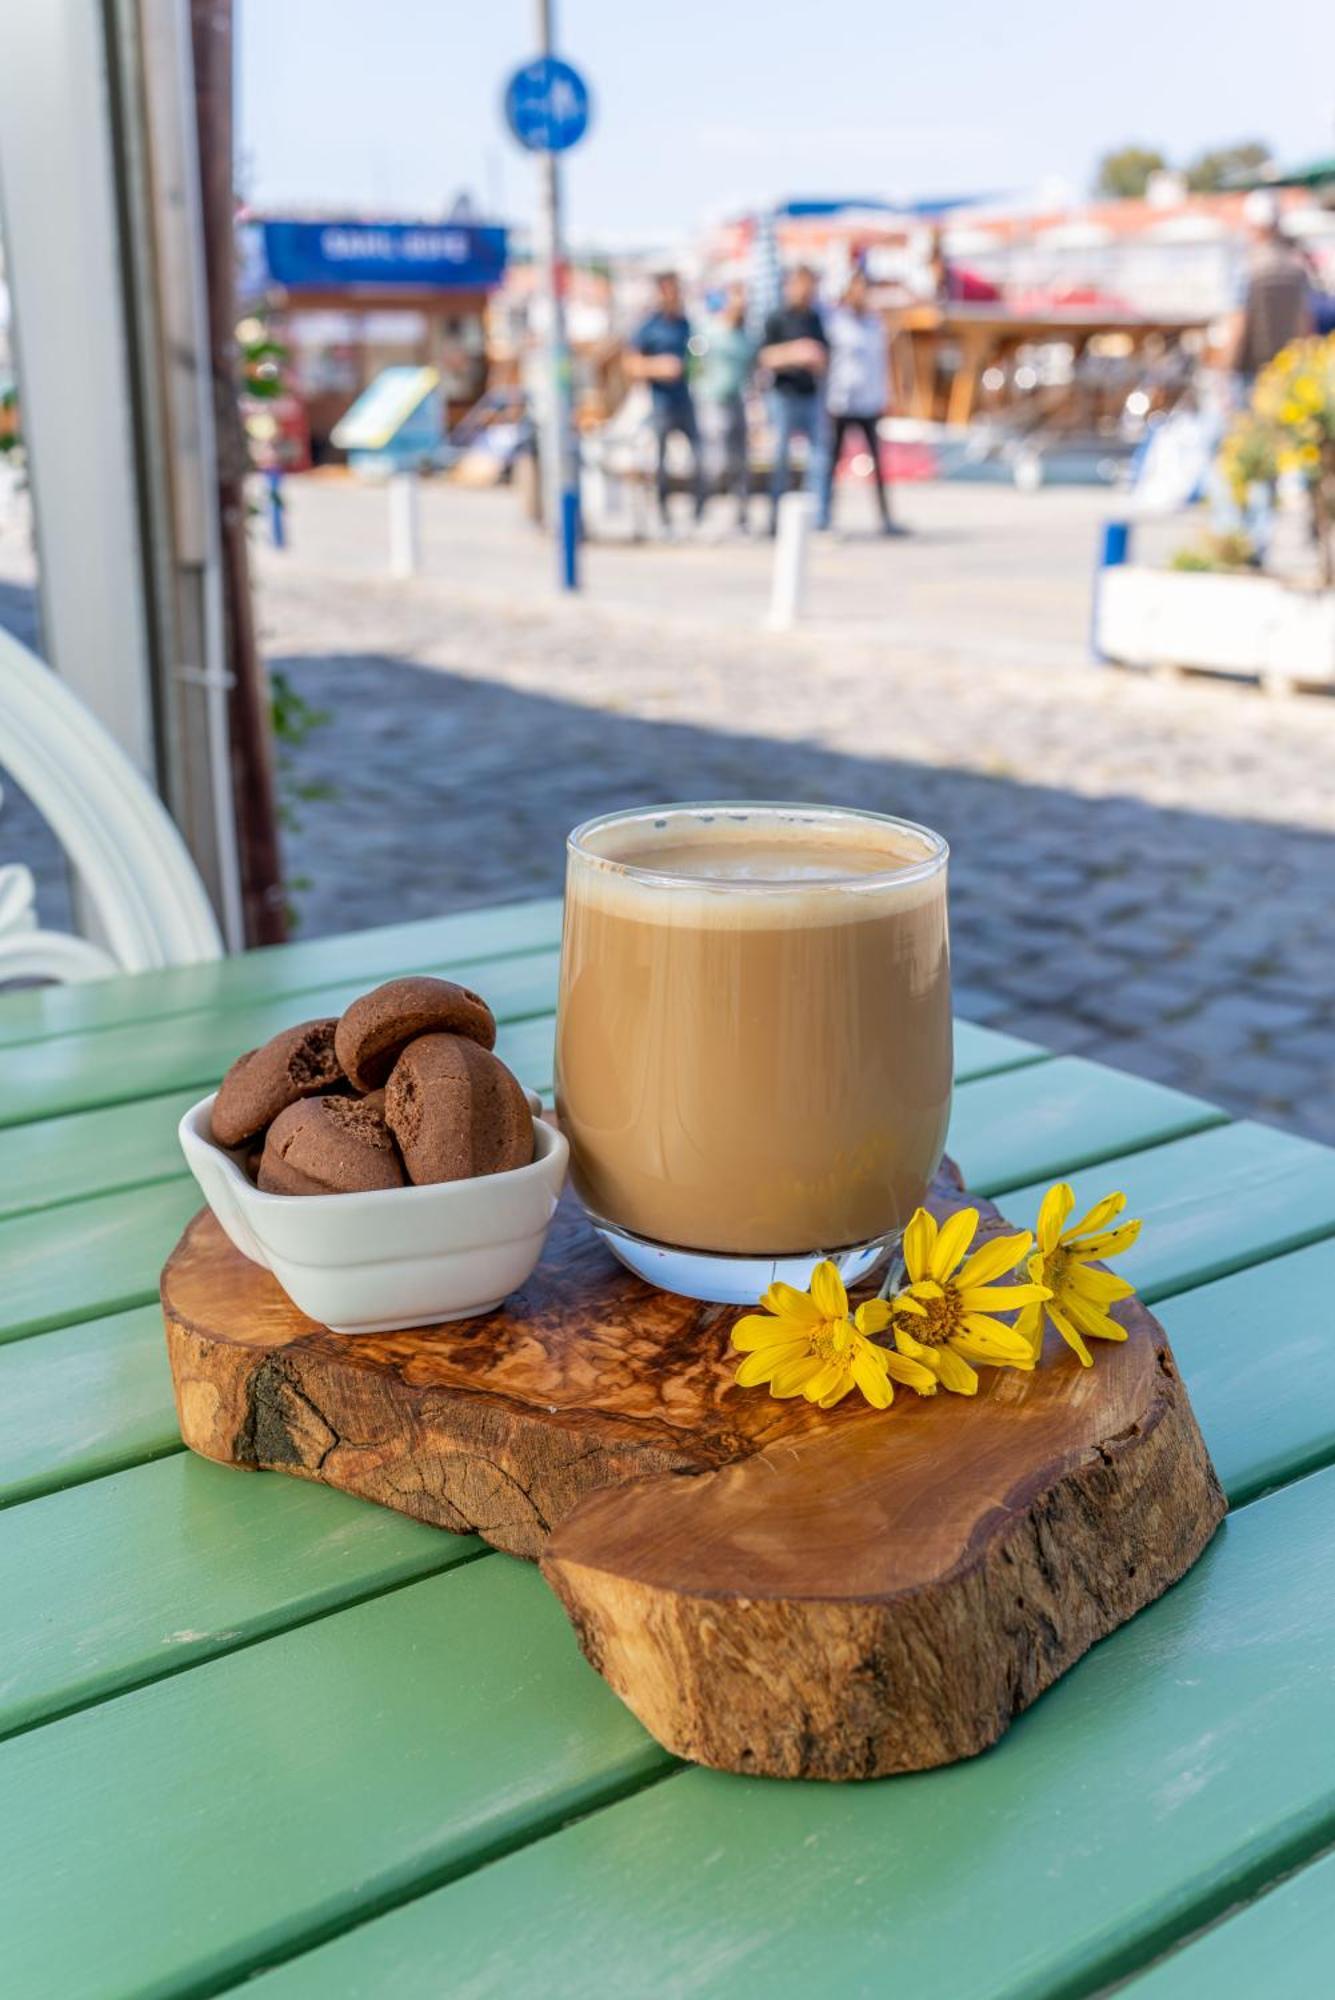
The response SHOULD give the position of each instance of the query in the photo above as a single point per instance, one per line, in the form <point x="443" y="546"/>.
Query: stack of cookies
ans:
<point x="403" y="1089"/>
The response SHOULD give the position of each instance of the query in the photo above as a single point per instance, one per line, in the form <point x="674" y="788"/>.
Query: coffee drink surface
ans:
<point x="754" y="1039"/>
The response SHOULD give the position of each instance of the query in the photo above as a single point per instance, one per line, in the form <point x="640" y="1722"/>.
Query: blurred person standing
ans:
<point x="796" y="352"/>
<point x="857" y="390"/>
<point x="725" y="370"/>
<point x="1273" y="303"/>
<point x="1273" y="307"/>
<point x="657" y="356"/>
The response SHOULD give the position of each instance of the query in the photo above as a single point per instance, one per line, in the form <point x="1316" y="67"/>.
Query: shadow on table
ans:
<point x="1187" y="947"/>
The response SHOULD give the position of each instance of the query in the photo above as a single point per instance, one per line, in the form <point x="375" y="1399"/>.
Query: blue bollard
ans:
<point x="1114" y="551"/>
<point x="570" y="539"/>
<point x="273" y="480"/>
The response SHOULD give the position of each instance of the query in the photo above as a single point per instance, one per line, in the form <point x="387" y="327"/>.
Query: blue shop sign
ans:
<point x="324" y="256"/>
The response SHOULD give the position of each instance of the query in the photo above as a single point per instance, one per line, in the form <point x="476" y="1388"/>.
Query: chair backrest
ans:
<point x="144" y="889"/>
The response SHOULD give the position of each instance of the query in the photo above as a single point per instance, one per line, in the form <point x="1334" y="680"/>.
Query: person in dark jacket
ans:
<point x="658" y="355"/>
<point x="796" y="352"/>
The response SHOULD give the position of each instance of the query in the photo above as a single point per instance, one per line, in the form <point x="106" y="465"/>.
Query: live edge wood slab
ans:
<point x="771" y="1588"/>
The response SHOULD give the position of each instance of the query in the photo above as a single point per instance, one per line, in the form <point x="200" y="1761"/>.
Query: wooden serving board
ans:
<point x="833" y="1594"/>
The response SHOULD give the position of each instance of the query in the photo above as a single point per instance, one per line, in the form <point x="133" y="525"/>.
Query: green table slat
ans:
<point x="128" y="1578"/>
<point x="1279" y="1947"/>
<point x="193" y="1827"/>
<point x="90" y="1257"/>
<point x="1184" y="1751"/>
<point x="1256" y="1351"/>
<point x="1212" y="1203"/>
<point x="199" y="1532"/>
<point x="104" y="1254"/>
<point x="81" y="1153"/>
<point x="117" y="1065"/>
<point x="92" y="1152"/>
<point x="1055" y="1117"/>
<point x="170" y="1512"/>
<point x="981" y="1051"/>
<point x="290" y="969"/>
<point x="59" y="1420"/>
<point x="83" y="1401"/>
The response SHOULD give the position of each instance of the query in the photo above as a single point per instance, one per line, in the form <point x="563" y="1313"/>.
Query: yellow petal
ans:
<point x="919" y="1242"/>
<point x="1092" y="1321"/>
<point x="953" y="1239"/>
<point x="982" y="1356"/>
<point x="997" y="1337"/>
<point x="1056" y="1205"/>
<point x="905" y="1302"/>
<point x="992" y="1260"/>
<point x="1098" y="1218"/>
<point x="873" y="1316"/>
<point x="1000" y="1298"/>
<point x="1031" y="1324"/>
<point x="880" y="1355"/>
<point x="1068" y="1333"/>
<point x="831" y="1379"/>
<point x="906" y="1344"/>
<point x="789" y="1303"/>
<point x="874" y="1383"/>
<point x="759" y="1367"/>
<point x="1111" y="1245"/>
<point x="760" y="1330"/>
<point x="793" y="1376"/>
<point x="827" y="1291"/>
<point x="1103" y="1288"/>
<point x="955" y="1374"/>
<point x="911" y="1373"/>
<point x="837" y="1395"/>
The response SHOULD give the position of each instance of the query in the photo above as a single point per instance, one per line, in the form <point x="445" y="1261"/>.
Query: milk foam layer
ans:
<point x="765" y="868"/>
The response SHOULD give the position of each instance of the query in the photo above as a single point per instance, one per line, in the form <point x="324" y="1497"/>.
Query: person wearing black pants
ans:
<point x="658" y="355"/>
<point x="857" y="391"/>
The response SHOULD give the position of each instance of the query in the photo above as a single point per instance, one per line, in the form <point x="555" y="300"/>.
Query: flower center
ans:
<point x="1054" y="1269"/>
<point x="832" y="1340"/>
<point x="944" y="1318"/>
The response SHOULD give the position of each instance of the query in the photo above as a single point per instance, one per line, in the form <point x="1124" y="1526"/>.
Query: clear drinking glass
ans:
<point x="753" y="1050"/>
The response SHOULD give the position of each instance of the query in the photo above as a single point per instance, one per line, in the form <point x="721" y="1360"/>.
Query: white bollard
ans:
<point x="405" y="540"/>
<point x="797" y="512"/>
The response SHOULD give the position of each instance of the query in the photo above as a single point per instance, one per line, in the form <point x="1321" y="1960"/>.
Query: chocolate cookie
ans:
<point x="330" y="1145"/>
<point x="260" y="1084"/>
<point x="456" y="1111"/>
<point x="377" y="1028"/>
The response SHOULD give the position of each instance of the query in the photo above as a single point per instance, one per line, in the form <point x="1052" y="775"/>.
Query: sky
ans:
<point x="706" y="107"/>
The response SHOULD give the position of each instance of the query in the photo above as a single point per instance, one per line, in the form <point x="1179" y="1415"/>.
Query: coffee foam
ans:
<point x="765" y="870"/>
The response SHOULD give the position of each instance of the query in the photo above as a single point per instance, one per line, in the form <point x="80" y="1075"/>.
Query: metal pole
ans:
<point x="788" y="582"/>
<point x="405" y="543"/>
<point x="561" y="475"/>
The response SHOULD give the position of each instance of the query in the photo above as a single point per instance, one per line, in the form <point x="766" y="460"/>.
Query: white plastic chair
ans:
<point x="141" y="884"/>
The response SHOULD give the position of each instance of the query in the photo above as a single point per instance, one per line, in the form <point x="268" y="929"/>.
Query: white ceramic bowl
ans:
<point x="394" y="1257"/>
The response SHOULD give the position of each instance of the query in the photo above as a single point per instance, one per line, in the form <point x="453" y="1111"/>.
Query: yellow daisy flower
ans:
<point x="1078" y="1298"/>
<point x="806" y="1344"/>
<point x="945" y="1318"/>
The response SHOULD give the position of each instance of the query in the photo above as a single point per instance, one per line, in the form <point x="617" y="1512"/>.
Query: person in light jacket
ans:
<point x="857" y="390"/>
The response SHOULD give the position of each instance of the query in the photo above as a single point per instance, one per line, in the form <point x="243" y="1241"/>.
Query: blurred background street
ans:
<point x="1051" y="334"/>
<point x="1142" y="864"/>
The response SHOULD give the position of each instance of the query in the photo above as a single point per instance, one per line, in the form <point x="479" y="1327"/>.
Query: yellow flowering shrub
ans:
<point x="1290" y="427"/>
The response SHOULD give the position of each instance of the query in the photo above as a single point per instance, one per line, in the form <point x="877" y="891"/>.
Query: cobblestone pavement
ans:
<point x="1143" y="871"/>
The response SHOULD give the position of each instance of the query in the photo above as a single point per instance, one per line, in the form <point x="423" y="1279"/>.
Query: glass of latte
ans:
<point x="753" y="1046"/>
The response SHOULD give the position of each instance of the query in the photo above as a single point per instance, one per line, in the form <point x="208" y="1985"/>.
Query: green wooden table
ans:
<point x="257" y="1732"/>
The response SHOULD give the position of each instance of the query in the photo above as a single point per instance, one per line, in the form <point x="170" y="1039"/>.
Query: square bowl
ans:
<point x="392" y="1257"/>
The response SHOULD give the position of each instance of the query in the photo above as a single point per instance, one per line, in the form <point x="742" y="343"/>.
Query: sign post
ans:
<point x="547" y="109"/>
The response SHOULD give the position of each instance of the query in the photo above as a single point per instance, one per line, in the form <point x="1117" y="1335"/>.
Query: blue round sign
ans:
<point x="547" y="105"/>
